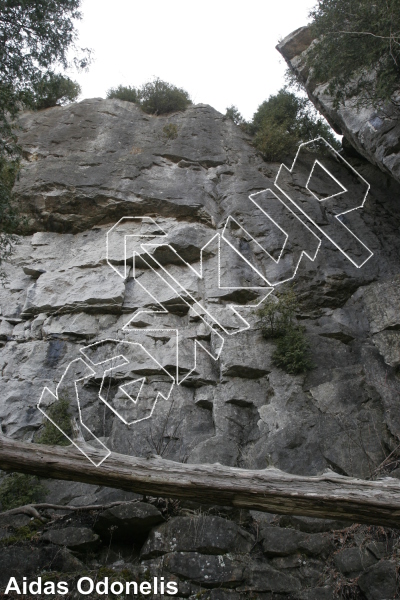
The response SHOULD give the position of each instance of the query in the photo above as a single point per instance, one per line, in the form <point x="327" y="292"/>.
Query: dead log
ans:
<point x="326" y="496"/>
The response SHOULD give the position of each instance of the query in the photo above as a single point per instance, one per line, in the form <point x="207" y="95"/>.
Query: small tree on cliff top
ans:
<point x="285" y="120"/>
<point x="358" y="49"/>
<point x="160" y="98"/>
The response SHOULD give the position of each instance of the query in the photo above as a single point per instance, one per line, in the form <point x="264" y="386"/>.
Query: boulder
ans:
<point x="206" y="570"/>
<point x="131" y="521"/>
<point x="277" y="541"/>
<point x="26" y="561"/>
<point x="379" y="582"/>
<point x="352" y="561"/>
<point x="263" y="578"/>
<point x="80" y="539"/>
<point x="14" y="521"/>
<point x="320" y="593"/>
<point x="310" y="524"/>
<point x="204" y="534"/>
<point x="224" y="595"/>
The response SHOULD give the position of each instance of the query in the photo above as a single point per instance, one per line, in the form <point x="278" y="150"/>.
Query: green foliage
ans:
<point x="60" y="414"/>
<point x="127" y="93"/>
<point x="9" y="218"/>
<point x="277" y="316"/>
<point x="158" y="97"/>
<point x="54" y="89"/>
<point x="35" y="36"/>
<point x="291" y="353"/>
<point x="285" y="120"/>
<point x="234" y="115"/>
<point x="26" y="533"/>
<point x="358" y="42"/>
<point x="18" y="489"/>
<point x="170" y="131"/>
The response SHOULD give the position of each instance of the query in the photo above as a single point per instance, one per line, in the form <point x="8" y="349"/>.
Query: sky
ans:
<point x="222" y="52"/>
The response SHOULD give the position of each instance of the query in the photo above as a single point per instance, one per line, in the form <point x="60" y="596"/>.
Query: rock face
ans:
<point x="87" y="166"/>
<point x="374" y="133"/>
<point x="128" y="521"/>
<point x="80" y="539"/>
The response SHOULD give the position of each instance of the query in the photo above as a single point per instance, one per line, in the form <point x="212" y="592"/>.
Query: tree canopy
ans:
<point x="35" y="36"/>
<point x="123" y="92"/>
<point x="285" y="120"/>
<point x="357" y="49"/>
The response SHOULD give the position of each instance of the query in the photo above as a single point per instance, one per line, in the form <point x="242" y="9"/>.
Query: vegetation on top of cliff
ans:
<point x="358" y="49"/>
<point x="281" y="123"/>
<point x="155" y="97"/>
<point x="35" y="37"/>
<point x="123" y="92"/>
<point x="54" y="89"/>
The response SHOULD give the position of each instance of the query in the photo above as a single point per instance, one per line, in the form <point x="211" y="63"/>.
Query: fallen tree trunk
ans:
<point x="326" y="496"/>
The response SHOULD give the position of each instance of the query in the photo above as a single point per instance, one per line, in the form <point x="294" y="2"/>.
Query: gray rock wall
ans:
<point x="373" y="132"/>
<point x="91" y="163"/>
<point x="86" y="166"/>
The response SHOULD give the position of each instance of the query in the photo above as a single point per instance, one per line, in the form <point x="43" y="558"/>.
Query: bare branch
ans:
<point x="32" y="509"/>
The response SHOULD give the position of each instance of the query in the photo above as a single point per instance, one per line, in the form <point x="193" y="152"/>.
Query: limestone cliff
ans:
<point x="86" y="166"/>
<point x="374" y="133"/>
<point x="89" y="164"/>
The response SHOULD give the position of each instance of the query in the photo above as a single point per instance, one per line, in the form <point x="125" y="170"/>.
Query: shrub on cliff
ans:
<point x="156" y="97"/>
<point x="59" y="413"/>
<point x="277" y="316"/>
<point x="285" y="120"/>
<point x="358" y="49"/>
<point x="232" y="113"/>
<point x="18" y="489"/>
<point x="160" y="98"/>
<point x="53" y="89"/>
<point x="292" y="352"/>
<point x="122" y="92"/>
<point x="9" y="216"/>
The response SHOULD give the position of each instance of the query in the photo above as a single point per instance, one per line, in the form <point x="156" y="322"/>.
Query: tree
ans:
<point x="35" y="36"/>
<point x="127" y="93"/>
<point x="234" y="115"/>
<point x="158" y="97"/>
<point x="285" y="120"/>
<point x="54" y="89"/>
<point x="357" y="49"/>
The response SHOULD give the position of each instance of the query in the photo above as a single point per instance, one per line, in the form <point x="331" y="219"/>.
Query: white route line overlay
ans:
<point x="197" y="343"/>
<point x="105" y="373"/>
<point x="322" y="200"/>
<point x="200" y="310"/>
<point x="56" y="397"/>
<point x="126" y="362"/>
<point x="304" y="252"/>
